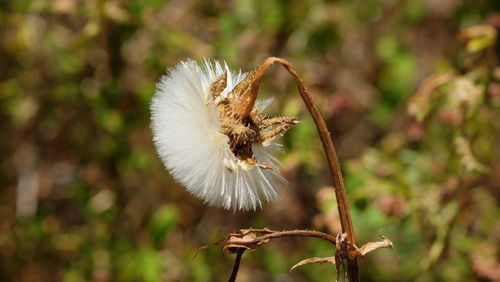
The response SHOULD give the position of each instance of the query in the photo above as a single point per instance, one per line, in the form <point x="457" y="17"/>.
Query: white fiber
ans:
<point x="188" y="138"/>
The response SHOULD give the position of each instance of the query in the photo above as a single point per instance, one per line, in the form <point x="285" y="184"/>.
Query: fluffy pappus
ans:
<point x="211" y="135"/>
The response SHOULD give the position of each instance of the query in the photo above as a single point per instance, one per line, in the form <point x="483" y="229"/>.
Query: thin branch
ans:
<point x="236" y="266"/>
<point x="299" y="233"/>
<point x="247" y="238"/>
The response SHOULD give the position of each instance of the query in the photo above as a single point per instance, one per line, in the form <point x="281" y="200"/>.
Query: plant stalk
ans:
<point x="236" y="266"/>
<point x="333" y="162"/>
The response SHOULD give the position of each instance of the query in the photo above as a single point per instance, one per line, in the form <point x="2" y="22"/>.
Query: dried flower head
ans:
<point x="210" y="132"/>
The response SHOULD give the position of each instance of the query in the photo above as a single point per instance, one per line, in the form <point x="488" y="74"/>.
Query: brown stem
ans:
<point x="299" y="233"/>
<point x="236" y="266"/>
<point x="271" y="234"/>
<point x="248" y="239"/>
<point x="333" y="163"/>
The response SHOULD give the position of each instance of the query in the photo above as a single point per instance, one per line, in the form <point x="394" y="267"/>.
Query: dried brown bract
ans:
<point x="242" y="121"/>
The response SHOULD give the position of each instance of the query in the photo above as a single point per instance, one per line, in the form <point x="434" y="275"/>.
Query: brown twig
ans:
<point x="247" y="239"/>
<point x="333" y="163"/>
<point x="300" y="233"/>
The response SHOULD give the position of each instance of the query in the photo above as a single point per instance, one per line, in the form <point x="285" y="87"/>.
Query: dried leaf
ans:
<point x="245" y="239"/>
<point x="314" y="260"/>
<point x="372" y="246"/>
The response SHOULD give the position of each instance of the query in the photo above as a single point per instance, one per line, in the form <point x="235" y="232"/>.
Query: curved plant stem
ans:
<point x="334" y="165"/>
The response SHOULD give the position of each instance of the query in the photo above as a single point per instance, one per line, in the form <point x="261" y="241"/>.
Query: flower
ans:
<point x="210" y="134"/>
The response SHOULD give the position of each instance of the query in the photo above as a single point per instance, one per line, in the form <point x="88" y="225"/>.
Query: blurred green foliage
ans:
<point x="409" y="89"/>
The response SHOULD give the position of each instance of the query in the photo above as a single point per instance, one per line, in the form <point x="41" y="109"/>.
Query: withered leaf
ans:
<point x="372" y="246"/>
<point x="314" y="260"/>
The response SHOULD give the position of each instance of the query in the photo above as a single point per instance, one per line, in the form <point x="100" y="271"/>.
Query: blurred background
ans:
<point x="410" y="90"/>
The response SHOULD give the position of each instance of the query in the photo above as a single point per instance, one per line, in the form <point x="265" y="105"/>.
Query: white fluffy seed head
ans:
<point x="187" y="134"/>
